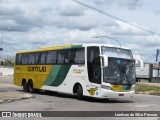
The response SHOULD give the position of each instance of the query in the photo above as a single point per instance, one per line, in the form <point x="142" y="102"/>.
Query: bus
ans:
<point x="94" y="70"/>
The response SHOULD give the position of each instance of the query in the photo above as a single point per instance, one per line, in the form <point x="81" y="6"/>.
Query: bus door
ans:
<point x="93" y="65"/>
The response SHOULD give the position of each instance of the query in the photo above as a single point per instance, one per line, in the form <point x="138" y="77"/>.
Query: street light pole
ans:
<point x="109" y="38"/>
<point x="1" y="49"/>
<point x="1" y="39"/>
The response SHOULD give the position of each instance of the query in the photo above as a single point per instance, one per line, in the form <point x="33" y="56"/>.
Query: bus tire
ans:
<point x="79" y="92"/>
<point x="25" y="86"/>
<point x="30" y="86"/>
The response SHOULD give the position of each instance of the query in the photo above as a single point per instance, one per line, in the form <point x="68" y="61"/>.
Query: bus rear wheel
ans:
<point x="79" y="92"/>
<point x="30" y="86"/>
<point x="25" y="86"/>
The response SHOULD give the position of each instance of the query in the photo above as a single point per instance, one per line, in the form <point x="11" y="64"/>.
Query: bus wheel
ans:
<point x="79" y="92"/>
<point x="25" y="86"/>
<point x="30" y="86"/>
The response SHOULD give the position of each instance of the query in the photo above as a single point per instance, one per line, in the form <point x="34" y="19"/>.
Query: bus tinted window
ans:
<point x="24" y="59"/>
<point x="18" y="59"/>
<point x="51" y="57"/>
<point x="67" y="56"/>
<point x="79" y="58"/>
<point x="72" y="55"/>
<point x="61" y="55"/>
<point x="32" y="58"/>
<point x="42" y="58"/>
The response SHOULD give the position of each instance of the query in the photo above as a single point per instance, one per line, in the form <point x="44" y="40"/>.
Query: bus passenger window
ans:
<point x="72" y="55"/>
<point x="66" y="57"/>
<point x="24" y="59"/>
<point x="51" y="57"/>
<point x="42" y="58"/>
<point x="79" y="58"/>
<point x="32" y="58"/>
<point x="60" y="57"/>
<point x="18" y="59"/>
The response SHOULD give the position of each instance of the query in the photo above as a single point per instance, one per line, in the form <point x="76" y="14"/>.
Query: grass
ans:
<point x="147" y="89"/>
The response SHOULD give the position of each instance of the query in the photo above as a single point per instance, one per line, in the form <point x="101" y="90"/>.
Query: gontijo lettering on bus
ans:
<point x="37" y="69"/>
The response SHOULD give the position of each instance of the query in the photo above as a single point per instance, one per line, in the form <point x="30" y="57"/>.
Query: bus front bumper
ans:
<point x="113" y="94"/>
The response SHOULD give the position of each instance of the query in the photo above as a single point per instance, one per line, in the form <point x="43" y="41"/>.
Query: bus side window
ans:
<point x="24" y="59"/>
<point x="18" y="59"/>
<point x="66" y="57"/>
<point x="51" y="57"/>
<point x="60" y="58"/>
<point x="32" y="58"/>
<point x="72" y="55"/>
<point x="42" y="58"/>
<point x="79" y="58"/>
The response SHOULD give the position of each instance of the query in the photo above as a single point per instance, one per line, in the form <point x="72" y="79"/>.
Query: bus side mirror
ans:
<point x="104" y="60"/>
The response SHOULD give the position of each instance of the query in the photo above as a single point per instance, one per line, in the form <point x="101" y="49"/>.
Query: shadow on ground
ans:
<point x="86" y="99"/>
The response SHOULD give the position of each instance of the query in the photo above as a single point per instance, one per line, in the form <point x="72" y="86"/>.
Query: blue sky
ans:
<point x="29" y="24"/>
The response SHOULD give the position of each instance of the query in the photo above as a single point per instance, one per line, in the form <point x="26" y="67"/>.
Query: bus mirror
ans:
<point x="104" y="60"/>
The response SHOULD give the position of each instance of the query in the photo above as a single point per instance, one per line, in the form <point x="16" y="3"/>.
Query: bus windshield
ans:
<point x="121" y="67"/>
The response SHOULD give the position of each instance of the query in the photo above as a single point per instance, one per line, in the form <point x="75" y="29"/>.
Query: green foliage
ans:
<point x="147" y="89"/>
<point x="7" y="63"/>
<point x="143" y="87"/>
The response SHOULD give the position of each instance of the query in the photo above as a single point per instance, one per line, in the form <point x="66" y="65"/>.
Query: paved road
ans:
<point x="50" y="101"/>
<point x="6" y="79"/>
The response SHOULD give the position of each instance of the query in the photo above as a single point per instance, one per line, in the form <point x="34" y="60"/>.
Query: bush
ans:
<point x="147" y="89"/>
<point x="7" y="63"/>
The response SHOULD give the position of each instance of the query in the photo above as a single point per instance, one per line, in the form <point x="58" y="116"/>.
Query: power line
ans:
<point x="114" y="17"/>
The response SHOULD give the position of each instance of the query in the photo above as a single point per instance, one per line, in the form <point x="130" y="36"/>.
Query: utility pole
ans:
<point x="1" y="49"/>
<point x="158" y="80"/>
<point x="158" y="60"/>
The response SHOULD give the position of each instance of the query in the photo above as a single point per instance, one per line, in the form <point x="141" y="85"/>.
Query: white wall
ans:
<point x="6" y="71"/>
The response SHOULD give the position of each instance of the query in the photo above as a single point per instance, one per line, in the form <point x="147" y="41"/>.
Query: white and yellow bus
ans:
<point x="95" y="70"/>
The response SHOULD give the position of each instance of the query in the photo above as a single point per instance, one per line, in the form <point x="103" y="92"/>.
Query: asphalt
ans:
<point x="10" y="92"/>
<point x="51" y="101"/>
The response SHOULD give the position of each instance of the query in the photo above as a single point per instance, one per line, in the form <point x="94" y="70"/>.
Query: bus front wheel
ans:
<point x="79" y="92"/>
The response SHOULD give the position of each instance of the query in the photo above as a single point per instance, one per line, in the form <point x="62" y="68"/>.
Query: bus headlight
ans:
<point x="106" y="87"/>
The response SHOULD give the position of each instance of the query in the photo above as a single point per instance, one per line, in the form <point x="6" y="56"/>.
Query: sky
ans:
<point x="30" y="24"/>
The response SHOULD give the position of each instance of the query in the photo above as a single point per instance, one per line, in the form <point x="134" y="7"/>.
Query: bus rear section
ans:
<point x="58" y="68"/>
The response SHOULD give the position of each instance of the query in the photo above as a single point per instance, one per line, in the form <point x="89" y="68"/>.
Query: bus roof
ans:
<point x="68" y="46"/>
<point x="105" y="45"/>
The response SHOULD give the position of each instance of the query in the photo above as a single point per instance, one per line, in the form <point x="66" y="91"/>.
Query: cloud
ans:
<point x="43" y="23"/>
<point x="69" y="8"/>
<point x="21" y="16"/>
